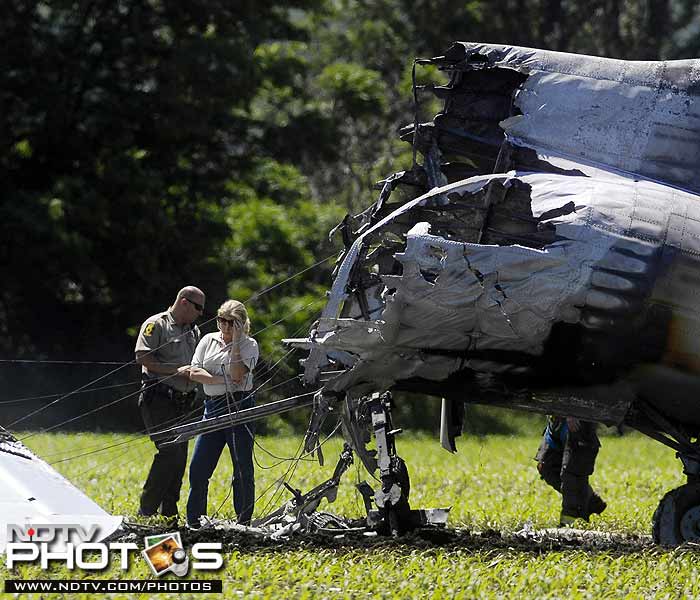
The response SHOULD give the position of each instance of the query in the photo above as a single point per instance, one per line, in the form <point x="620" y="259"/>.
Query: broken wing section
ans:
<point x="33" y="493"/>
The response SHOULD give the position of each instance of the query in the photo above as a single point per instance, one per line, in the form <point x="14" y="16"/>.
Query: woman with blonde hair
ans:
<point x="223" y="363"/>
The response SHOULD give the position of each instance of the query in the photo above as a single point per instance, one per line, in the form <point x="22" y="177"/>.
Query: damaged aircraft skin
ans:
<point x="544" y="256"/>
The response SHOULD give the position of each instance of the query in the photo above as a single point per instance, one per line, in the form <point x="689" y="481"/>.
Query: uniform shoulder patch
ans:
<point x="149" y="329"/>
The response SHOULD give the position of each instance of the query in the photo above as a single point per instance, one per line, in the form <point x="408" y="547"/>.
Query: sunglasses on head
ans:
<point x="229" y="322"/>
<point x="199" y="307"/>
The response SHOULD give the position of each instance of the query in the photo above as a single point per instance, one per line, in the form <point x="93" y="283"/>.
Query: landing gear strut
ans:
<point x="365" y="417"/>
<point x="677" y="518"/>
<point x="392" y="498"/>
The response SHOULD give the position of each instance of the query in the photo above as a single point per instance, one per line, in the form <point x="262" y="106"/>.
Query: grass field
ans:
<point x="491" y="483"/>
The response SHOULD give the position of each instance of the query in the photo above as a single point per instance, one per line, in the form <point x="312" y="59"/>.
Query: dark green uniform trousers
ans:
<point x="162" y="408"/>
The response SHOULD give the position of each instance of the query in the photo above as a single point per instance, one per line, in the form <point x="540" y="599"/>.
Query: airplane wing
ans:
<point x="32" y="493"/>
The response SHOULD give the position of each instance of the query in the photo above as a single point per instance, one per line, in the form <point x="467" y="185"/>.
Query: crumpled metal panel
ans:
<point x="457" y="295"/>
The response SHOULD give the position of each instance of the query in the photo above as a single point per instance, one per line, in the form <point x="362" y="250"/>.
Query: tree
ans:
<point x="122" y="125"/>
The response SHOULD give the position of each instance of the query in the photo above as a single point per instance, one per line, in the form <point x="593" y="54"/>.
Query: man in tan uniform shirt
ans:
<point x="165" y="344"/>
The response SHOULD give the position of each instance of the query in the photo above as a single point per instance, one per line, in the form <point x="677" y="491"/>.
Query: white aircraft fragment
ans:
<point x="33" y="495"/>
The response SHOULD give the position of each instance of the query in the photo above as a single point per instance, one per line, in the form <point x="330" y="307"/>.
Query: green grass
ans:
<point x="491" y="483"/>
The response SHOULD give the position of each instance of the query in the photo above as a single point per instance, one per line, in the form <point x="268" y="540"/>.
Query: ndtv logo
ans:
<point x="51" y="533"/>
<point x="73" y="546"/>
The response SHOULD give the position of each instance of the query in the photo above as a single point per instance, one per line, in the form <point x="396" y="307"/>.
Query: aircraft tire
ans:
<point x="677" y="518"/>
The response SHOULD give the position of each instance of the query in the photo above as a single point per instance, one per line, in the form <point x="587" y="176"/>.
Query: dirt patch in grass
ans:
<point x="526" y="540"/>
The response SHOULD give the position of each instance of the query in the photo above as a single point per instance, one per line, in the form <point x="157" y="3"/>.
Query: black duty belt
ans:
<point x="177" y="394"/>
<point x="170" y="391"/>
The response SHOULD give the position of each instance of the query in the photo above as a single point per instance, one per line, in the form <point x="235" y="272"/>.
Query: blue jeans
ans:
<point x="207" y="451"/>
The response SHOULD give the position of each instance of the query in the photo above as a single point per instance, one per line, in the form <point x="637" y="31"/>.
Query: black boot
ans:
<point x="596" y="505"/>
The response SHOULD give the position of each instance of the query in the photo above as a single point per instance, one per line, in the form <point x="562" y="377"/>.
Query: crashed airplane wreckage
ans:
<point x="544" y="257"/>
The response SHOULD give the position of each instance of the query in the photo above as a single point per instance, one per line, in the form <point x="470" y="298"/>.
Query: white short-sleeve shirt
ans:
<point x="213" y="355"/>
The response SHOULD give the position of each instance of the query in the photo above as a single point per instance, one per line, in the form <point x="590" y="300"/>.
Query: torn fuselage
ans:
<point x="560" y="276"/>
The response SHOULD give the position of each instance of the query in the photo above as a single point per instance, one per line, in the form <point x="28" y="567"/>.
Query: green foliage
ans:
<point x="125" y="122"/>
<point x="491" y="483"/>
<point x="277" y="235"/>
<point x="357" y="91"/>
